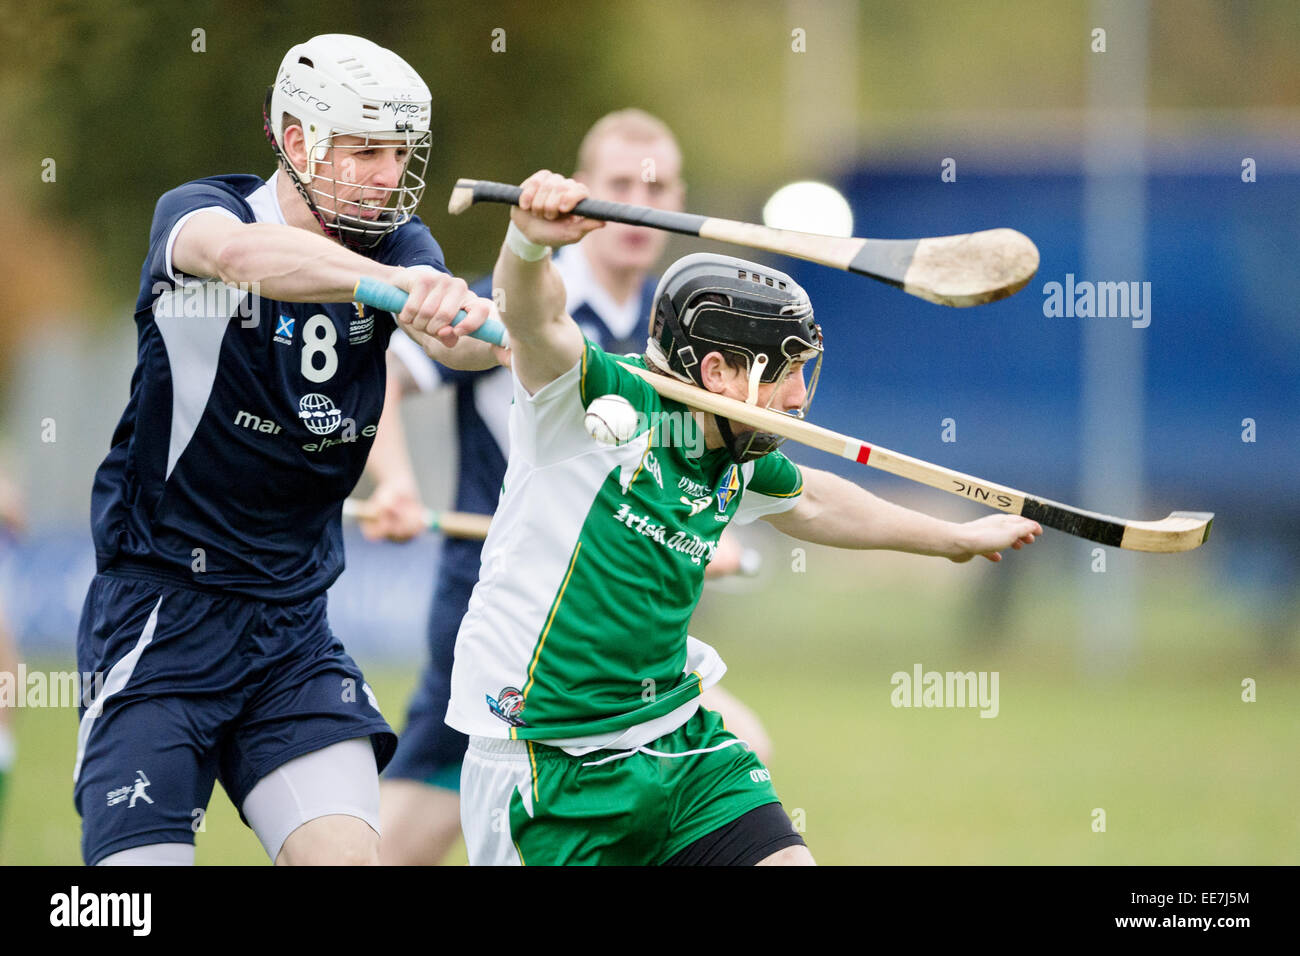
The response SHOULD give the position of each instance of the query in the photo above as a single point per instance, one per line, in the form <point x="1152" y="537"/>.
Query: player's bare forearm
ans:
<point x="545" y="342"/>
<point x="470" y="355"/>
<point x="838" y="513"/>
<point x="294" y="265"/>
<point x="283" y="262"/>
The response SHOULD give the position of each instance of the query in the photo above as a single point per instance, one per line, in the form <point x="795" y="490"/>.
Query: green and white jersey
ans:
<point x="576" y="631"/>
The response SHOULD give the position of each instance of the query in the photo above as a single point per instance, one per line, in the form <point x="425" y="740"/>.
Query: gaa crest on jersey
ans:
<point x="362" y="327"/>
<point x="319" y="413"/>
<point x="652" y="466"/>
<point x="508" y="705"/>
<point x="728" y="487"/>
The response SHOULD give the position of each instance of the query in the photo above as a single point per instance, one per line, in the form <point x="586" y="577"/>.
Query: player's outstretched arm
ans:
<point x="545" y="342"/>
<point x="294" y="265"/>
<point x="839" y="513"/>
<point x="286" y="263"/>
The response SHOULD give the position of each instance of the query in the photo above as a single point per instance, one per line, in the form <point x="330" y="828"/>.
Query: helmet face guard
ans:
<point x="758" y="315"/>
<point x="751" y="444"/>
<point x="336" y="86"/>
<point x="330" y="188"/>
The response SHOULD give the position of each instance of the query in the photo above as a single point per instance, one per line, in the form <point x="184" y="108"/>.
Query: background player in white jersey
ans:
<point x="216" y="514"/>
<point x="626" y="156"/>
<point x="574" y="675"/>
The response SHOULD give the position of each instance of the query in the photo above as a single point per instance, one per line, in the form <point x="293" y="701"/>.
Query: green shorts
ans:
<point x="526" y="803"/>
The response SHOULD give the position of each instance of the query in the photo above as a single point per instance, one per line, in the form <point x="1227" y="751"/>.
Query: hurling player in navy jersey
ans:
<point x="216" y="514"/>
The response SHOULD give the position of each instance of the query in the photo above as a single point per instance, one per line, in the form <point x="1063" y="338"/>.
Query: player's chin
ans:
<point x="627" y="247"/>
<point x="639" y="258"/>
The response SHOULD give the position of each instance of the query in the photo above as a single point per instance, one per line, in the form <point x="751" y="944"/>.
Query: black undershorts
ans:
<point x="744" y="841"/>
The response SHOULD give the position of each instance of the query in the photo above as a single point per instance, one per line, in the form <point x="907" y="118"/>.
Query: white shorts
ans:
<point x="492" y="771"/>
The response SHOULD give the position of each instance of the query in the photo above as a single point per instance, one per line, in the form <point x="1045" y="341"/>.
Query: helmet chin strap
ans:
<point x="754" y="444"/>
<point x="756" y="370"/>
<point x="655" y="356"/>
<point x="749" y="445"/>
<point x="291" y="171"/>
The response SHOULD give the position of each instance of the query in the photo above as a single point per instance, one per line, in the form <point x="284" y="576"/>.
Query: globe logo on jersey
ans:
<point x="319" y="414"/>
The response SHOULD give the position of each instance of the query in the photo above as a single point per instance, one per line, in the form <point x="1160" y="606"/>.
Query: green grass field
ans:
<point x="1185" y="771"/>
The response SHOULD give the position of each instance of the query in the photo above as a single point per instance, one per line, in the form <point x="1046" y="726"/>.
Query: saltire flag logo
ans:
<point x="728" y="487"/>
<point x="285" y="326"/>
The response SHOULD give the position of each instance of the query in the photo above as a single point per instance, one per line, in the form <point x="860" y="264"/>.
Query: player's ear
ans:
<point x="714" y="372"/>
<point x="295" y="145"/>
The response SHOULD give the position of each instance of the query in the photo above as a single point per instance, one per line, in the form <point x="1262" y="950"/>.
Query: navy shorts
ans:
<point x="429" y="750"/>
<point x="201" y="686"/>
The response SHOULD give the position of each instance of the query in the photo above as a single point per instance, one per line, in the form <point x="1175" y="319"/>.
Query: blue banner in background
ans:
<point x="1222" y="344"/>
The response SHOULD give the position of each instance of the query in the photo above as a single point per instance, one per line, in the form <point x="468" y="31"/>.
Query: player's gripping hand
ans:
<point x="433" y="300"/>
<point x="545" y="206"/>
<point x="987" y="536"/>
<point x="393" y="512"/>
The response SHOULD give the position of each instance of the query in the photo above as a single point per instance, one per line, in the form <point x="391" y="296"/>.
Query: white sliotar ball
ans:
<point x="611" y="420"/>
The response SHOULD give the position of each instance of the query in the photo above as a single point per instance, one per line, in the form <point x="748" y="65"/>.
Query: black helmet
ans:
<point x="707" y="302"/>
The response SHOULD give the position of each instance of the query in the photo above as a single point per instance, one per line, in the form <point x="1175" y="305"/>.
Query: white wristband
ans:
<point x="524" y="247"/>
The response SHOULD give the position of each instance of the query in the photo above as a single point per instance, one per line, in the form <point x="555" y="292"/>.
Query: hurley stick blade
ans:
<point x="960" y="271"/>
<point x="971" y="269"/>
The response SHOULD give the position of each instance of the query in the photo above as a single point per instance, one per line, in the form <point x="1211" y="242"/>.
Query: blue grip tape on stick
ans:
<point x="381" y="295"/>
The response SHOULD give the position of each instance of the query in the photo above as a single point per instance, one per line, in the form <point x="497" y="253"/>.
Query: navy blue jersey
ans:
<point x="249" y="420"/>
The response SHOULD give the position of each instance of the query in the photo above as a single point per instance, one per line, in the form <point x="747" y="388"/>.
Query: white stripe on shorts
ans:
<point x="117" y="679"/>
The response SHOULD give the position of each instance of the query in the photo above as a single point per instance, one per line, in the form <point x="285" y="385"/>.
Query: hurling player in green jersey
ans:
<point x="574" y="675"/>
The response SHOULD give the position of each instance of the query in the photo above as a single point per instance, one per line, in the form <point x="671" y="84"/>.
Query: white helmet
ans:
<point x="341" y="85"/>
